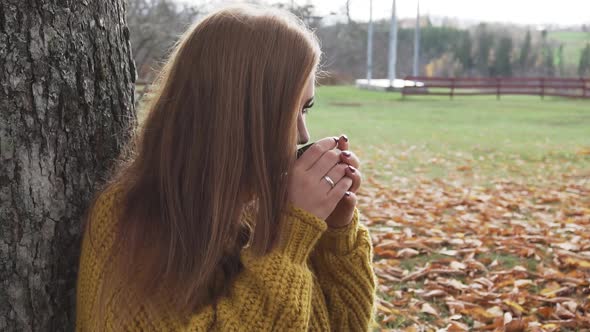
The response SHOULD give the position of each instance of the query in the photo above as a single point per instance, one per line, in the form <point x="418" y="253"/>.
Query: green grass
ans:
<point x="419" y="261"/>
<point x="509" y="261"/>
<point x="435" y="135"/>
<point x="516" y="137"/>
<point x="574" y="42"/>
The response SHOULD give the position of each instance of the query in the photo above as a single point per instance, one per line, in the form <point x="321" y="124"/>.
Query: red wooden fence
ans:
<point x="536" y="86"/>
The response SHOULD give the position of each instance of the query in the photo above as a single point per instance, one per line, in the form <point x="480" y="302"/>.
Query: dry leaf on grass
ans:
<point x="508" y="256"/>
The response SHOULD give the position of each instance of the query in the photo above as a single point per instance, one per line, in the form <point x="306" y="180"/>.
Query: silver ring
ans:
<point x="330" y="181"/>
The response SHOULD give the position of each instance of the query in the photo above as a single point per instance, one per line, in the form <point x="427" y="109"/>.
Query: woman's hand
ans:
<point x="344" y="211"/>
<point x="309" y="190"/>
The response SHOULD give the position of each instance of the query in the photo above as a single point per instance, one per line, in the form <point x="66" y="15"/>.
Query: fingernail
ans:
<point x="348" y="193"/>
<point x="344" y="137"/>
<point x="346" y="153"/>
<point x="351" y="169"/>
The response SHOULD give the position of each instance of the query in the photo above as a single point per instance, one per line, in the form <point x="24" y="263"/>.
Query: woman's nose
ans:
<point x="303" y="138"/>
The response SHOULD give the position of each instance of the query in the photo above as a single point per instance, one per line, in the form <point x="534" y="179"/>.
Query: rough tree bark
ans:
<point x="66" y="101"/>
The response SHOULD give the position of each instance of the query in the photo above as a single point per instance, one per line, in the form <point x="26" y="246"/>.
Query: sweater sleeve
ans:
<point x="342" y="260"/>
<point x="273" y="292"/>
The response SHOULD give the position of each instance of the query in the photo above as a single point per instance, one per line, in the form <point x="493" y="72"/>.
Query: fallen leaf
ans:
<point x="448" y="252"/>
<point x="427" y="308"/>
<point x="457" y="265"/>
<point x="457" y="327"/>
<point x="571" y="305"/>
<point x="523" y="282"/>
<point x="577" y="262"/>
<point x="545" y="312"/>
<point x="516" y="326"/>
<point x="551" y="289"/>
<point x="517" y="307"/>
<point x="387" y="253"/>
<point x="563" y="313"/>
<point x="495" y="311"/>
<point x="407" y="253"/>
<point x="435" y="293"/>
<point x="567" y="246"/>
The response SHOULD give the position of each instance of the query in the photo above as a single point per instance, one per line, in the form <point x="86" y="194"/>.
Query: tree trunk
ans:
<point x="66" y="101"/>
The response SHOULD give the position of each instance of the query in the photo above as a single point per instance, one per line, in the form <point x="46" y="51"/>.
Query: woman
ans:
<point x="210" y="222"/>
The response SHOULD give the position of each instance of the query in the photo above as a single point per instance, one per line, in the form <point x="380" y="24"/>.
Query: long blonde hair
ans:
<point x="221" y="126"/>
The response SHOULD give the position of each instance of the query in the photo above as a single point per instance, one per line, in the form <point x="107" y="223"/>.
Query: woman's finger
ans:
<point x="336" y="194"/>
<point x="335" y="174"/>
<point x="343" y="142"/>
<point x="350" y="202"/>
<point x="350" y="158"/>
<point x="316" y="151"/>
<point x="356" y="176"/>
<point x="328" y="160"/>
<point x="344" y="211"/>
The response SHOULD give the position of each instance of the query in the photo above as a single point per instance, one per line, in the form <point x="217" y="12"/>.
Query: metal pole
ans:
<point x="392" y="45"/>
<point x="370" y="45"/>
<point x="416" y="71"/>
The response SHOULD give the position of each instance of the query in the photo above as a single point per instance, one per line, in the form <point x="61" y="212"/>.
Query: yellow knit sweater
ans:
<point x="317" y="279"/>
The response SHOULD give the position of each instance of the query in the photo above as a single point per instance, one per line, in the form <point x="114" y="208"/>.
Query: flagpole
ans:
<point x="416" y="71"/>
<point x="392" y="45"/>
<point x="370" y="45"/>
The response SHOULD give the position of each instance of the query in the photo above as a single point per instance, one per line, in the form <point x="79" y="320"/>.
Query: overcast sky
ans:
<point x="562" y="12"/>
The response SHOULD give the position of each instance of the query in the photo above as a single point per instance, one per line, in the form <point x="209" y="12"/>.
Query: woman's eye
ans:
<point x="307" y="108"/>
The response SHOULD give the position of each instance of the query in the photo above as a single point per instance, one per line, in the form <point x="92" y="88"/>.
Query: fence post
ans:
<point x="542" y="88"/>
<point x="584" y="88"/>
<point x="498" y="84"/>
<point x="452" y="87"/>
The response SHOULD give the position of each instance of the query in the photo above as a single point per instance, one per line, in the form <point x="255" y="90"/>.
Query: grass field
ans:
<point x="436" y="136"/>
<point x="574" y="42"/>
<point x="478" y="208"/>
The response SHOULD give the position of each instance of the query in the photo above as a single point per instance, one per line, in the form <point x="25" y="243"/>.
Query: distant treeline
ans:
<point x="484" y="50"/>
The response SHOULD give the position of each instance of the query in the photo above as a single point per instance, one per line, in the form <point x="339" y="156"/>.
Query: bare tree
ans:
<point x="155" y="26"/>
<point x="347" y="10"/>
<point x="66" y="101"/>
<point x="307" y="13"/>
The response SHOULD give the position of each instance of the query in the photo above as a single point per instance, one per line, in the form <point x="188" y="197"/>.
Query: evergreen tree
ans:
<point x="549" y="62"/>
<point x="584" y="67"/>
<point x="560" y="61"/>
<point x="485" y="43"/>
<point x="525" y="53"/>
<point x="463" y="52"/>
<point x="503" y="54"/>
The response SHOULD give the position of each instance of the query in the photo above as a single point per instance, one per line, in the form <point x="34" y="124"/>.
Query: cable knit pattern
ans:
<point x="342" y="263"/>
<point x="316" y="279"/>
